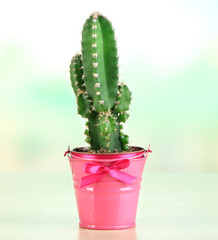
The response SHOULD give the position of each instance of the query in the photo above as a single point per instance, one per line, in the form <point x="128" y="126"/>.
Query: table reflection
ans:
<point x="127" y="234"/>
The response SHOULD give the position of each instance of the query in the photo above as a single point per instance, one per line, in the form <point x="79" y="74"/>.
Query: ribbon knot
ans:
<point x="98" y="171"/>
<point x="106" y="169"/>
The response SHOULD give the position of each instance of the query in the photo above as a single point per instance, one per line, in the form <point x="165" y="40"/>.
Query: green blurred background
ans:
<point x="169" y="59"/>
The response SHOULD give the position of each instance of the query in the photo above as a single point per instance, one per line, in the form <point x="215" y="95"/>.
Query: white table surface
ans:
<point x="171" y="206"/>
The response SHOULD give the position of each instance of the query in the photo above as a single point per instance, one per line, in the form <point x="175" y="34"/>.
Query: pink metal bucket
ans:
<point x="108" y="203"/>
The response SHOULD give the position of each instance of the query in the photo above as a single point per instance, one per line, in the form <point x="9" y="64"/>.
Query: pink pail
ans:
<point x="107" y="198"/>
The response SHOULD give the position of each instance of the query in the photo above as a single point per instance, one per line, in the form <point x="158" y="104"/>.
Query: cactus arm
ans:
<point x="123" y="116"/>
<point x="124" y="139"/>
<point x="83" y="104"/>
<point x="100" y="62"/>
<point x="76" y="74"/>
<point x="123" y="99"/>
<point x="76" y="77"/>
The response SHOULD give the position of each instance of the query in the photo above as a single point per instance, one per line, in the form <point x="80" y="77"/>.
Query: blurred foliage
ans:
<point x="177" y="114"/>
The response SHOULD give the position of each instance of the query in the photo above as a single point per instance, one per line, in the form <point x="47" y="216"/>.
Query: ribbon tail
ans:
<point x="122" y="176"/>
<point x="92" y="178"/>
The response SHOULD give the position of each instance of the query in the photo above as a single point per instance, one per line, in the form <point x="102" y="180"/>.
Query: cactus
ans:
<point x="101" y="98"/>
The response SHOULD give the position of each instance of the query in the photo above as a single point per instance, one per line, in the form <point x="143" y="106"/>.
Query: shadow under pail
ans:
<point x="89" y="234"/>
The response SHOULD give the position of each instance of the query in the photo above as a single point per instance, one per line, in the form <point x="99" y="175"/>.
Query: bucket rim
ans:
<point x="76" y="155"/>
<point x="137" y="149"/>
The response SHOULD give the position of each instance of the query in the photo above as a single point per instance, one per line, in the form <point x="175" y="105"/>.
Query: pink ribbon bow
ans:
<point x="98" y="171"/>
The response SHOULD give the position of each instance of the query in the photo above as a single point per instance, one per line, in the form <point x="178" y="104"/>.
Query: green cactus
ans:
<point x="100" y="97"/>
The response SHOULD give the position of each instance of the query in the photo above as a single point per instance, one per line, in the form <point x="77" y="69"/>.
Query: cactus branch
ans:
<point x="123" y="99"/>
<point x="76" y="73"/>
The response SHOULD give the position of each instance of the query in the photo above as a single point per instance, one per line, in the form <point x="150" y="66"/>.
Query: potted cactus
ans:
<point x="107" y="174"/>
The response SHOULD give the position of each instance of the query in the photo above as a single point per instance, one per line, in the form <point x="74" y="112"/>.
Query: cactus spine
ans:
<point x="100" y="97"/>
